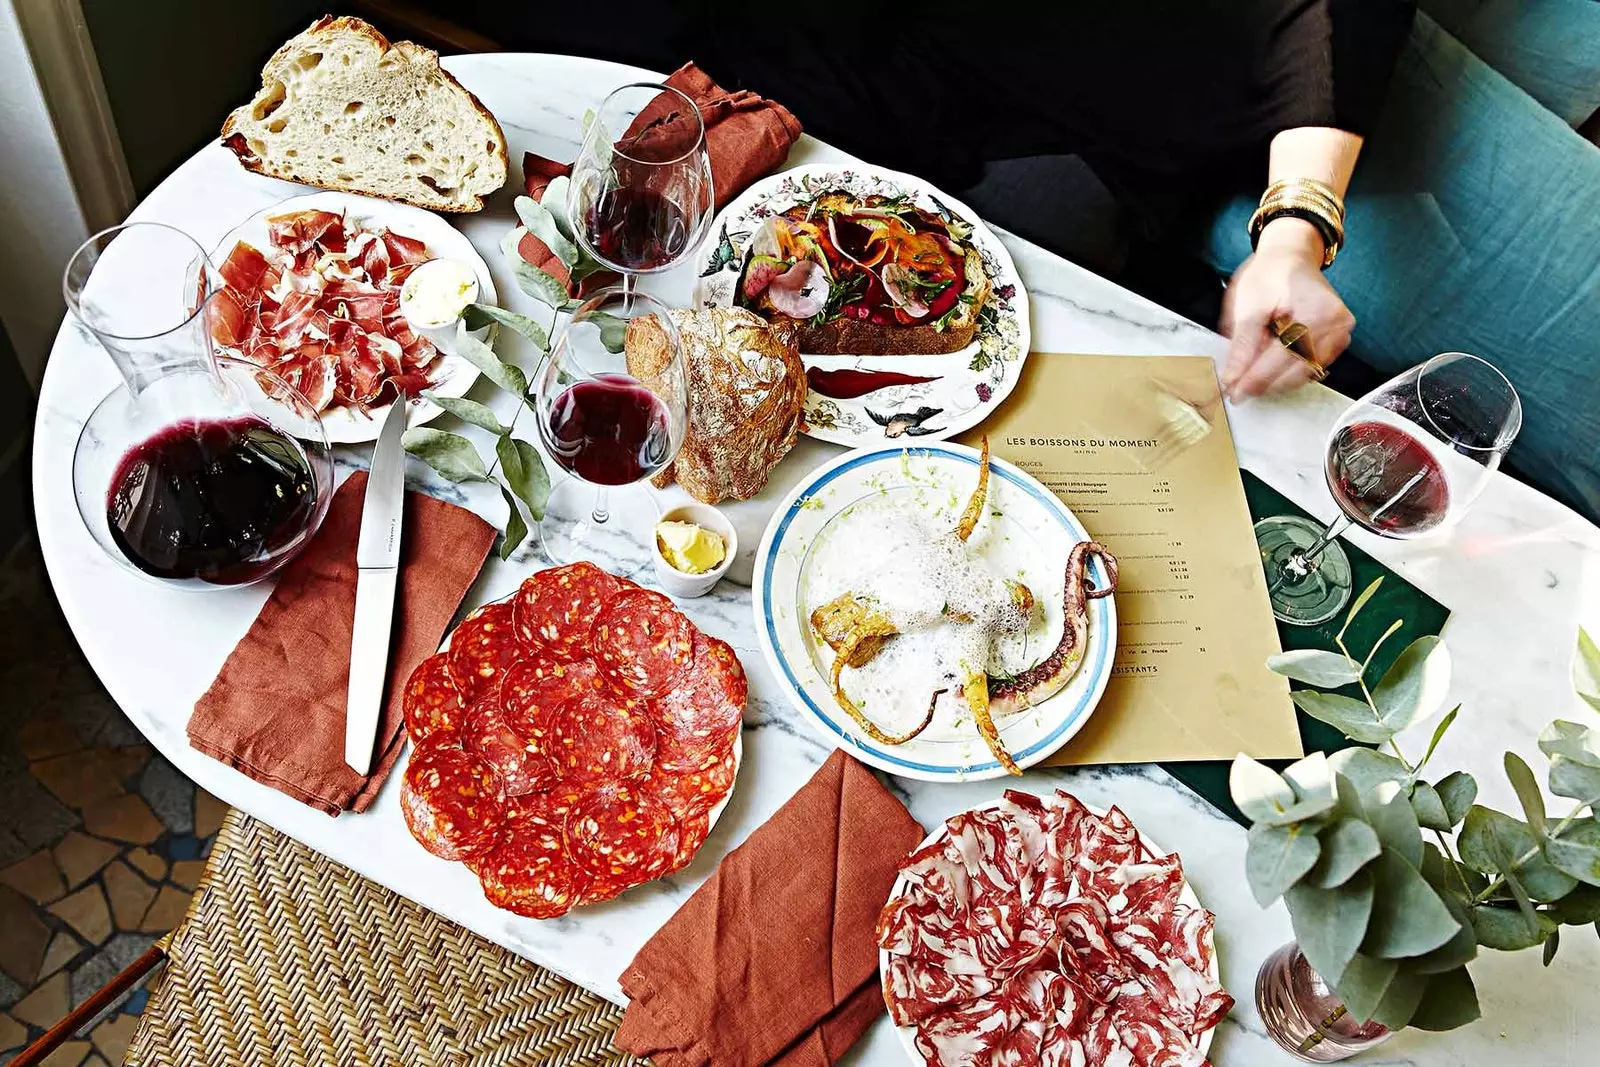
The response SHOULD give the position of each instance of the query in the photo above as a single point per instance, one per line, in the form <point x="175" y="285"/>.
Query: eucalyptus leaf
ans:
<point x="1576" y="851"/>
<point x="1527" y="790"/>
<point x="1388" y="810"/>
<point x="1401" y="999"/>
<point x="1449" y="1001"/>
<point x="1360" y="602"/>
<point x="1330" y="923"/>
<point x="1366" y="768"/>
<point x="1586" y="670"/>
<point x="1408" y="916"/>
<point x="1486" y="834"/>
<point x="524" y="473"/>
<point x="1572" y="740"/>
<point x="1457" y="790"/>
<point x="1353" y="718"/>
<point x="1315" y="667"/>
<point x="1347" y="846"/>
<point x="1260" y="791"/>
<point x="1569" y="778"/>
<point x="506" y="375"/>
<point x="538" y="284"/>
<point x="1429" y="808"/>
<point x="1276" y="857"/>
<point x="554" y="201"/>
<point x="452" y="455"/>
<point x="1394" y="628"/>
<point x="1519" y="892"/>
<point x="469" y="411"/>
<point x="1416" y="684"/>
<point x="1551" y="944"/>
<point x="1447" y="881"/>
<point x="516" y="528"/>
<point x="1363" y="984"/>
<point x="613" y="329"/>
<point x="542" y="224"/>
<point x="1438" y="735"/>
<point x="1506" y="930"/>
<point x="479" y="315"/>
<point x="1578" y="908"/>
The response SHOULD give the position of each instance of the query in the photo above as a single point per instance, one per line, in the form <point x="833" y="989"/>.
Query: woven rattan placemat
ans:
<point x="287" y="959"/>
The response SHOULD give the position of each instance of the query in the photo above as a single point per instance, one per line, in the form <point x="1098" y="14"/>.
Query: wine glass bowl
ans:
<point x="641" y="193"/>
<point x="1406" y="460"/>
<point x="611" y="404"/>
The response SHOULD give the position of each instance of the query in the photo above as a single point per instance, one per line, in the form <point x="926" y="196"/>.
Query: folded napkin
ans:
<point x="747" y="137"/>
<point x="276" y="711"/>
<point x="775" y="958"/>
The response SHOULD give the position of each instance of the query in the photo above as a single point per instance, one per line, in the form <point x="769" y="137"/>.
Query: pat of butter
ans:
<point x="690" y="547"/>
<point x="437" y="292"/>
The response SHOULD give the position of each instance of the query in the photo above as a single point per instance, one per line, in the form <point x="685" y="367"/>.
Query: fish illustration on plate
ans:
<point x="907" y="423"/>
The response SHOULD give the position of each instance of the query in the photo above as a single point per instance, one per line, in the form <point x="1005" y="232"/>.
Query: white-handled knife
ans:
<point x="378" y="561"/>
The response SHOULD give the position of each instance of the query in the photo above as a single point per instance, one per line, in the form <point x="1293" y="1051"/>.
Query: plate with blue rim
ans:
<point x="1025" y="532"/>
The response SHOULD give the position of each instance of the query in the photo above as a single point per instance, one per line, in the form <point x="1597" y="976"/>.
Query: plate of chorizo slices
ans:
<point x="1035" y="929"/>
<point x="571" y="741"/>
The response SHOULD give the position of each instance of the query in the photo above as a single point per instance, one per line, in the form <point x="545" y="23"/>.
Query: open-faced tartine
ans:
<point x="872" y="276"/>
<point x="342" y="108"/>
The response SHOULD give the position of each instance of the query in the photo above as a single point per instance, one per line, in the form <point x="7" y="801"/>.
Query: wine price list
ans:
<point x="1139" y="448"/>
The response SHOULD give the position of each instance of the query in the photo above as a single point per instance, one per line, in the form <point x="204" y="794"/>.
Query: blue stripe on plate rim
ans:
<point x="1100" y="613"/>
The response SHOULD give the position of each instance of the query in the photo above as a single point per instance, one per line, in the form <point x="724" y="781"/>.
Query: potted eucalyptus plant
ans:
<point x="1394" y="879"/>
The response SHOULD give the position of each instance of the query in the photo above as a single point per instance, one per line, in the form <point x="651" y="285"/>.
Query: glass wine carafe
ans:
<point x="199" y="470"/>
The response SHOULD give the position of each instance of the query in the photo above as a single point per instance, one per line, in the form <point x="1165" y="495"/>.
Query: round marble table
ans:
<point x="1520" y="574"/>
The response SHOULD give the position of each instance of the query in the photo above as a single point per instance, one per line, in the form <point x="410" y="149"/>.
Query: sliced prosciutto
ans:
<point x="320" y="307"/>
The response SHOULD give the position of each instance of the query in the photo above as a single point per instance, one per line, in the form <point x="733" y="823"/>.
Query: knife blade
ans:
<point x="378" y="572"/>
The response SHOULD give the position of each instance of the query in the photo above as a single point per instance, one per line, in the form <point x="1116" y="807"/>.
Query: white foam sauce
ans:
<point x="897" y="548"/>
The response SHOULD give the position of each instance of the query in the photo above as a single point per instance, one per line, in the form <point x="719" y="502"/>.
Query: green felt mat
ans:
<point x="1419" y="613"/>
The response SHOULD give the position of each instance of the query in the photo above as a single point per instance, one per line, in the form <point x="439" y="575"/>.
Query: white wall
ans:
<point x="41" y="222"/>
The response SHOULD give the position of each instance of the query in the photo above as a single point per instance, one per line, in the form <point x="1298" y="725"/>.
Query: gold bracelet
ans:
<point x="1309" y="186"/>
<point x="1308" y="199"/>
<point x="1331" y="225"/>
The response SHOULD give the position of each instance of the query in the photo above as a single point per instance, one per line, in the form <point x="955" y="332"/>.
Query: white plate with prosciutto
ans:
<point x="312" y="293"/>
<point x="1037" y="930"/>
<point x="909" y="314"/>
<point x="941" y="615"/>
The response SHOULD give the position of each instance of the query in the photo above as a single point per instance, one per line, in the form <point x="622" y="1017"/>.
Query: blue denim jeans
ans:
<point x="1473" y="225"/>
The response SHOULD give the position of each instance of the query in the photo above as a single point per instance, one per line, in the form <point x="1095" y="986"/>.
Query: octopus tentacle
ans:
<point x="1049" y="676"/>
<point x="976" y="690"/>
<point x="871" y="728"/>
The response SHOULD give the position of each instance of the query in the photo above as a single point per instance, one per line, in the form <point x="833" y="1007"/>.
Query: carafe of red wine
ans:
<point x="200" y="470"/>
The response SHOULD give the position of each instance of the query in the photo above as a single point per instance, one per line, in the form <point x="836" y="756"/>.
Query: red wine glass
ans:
<point x="641" y="194"/>
<point x="611" y="402"/>
<point x="199" y="471"/>
<point x="1404" y="461"/>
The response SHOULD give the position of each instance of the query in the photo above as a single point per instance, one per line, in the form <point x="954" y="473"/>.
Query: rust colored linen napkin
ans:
<point x="276" y="711"/>
<point x="747" y="137"/>
<point x="775" y="958"/>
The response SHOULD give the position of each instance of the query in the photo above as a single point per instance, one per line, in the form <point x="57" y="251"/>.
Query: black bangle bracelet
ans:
<point x="1330" y="240"/>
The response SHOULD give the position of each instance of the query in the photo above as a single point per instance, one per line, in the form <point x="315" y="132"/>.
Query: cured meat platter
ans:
<point x="1037" y="929"/>
<point x="284" y="321"/>
<point x="571" y="741"/>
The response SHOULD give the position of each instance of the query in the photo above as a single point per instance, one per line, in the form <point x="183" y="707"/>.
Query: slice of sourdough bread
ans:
<point x="342" y="108"/>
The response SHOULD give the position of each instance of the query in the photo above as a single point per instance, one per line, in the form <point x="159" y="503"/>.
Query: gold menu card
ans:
<point x="1138" y="447"/>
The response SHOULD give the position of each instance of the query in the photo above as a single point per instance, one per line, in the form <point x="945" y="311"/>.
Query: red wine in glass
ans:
<point x="217" y="500"/>
<point x="610" y="430"/>
<point x="1387" y="480"/>
<point x="637" y="229"/>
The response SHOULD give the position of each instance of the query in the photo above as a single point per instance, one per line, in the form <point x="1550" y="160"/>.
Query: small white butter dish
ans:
<point x="435" y="296"/>
<point x="676" y="582"/>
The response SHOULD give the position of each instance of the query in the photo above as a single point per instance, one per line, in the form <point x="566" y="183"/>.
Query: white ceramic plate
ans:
<point x="738" y="739"/>
<point x="452" y="376"/>
<point x="971" y="383"/>
<point x="908" y="1034"/>
<point x="1029" y="539"/>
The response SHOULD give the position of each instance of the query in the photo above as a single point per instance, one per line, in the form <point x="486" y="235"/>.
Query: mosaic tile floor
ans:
<point x="101" y="840"/>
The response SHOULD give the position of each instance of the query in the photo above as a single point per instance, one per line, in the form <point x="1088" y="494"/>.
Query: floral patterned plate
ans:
<point x="966" y="385"/>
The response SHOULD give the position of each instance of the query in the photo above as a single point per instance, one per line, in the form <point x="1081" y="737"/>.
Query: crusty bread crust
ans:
<point x="330" y="27"/>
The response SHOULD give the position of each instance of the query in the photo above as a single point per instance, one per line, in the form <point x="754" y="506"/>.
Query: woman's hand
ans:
<point x="1282" y="280"/>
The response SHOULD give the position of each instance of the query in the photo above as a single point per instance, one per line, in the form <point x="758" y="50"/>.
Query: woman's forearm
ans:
<point x="1320" y="152"/>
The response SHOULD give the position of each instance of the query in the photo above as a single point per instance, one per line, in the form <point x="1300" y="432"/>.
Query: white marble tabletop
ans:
<point x="1520" y="573"/>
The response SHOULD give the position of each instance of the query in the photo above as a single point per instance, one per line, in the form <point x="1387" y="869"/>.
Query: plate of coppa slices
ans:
<point x="312" y="292"/>
<point x="571" y="741"/>
<point x="1105" y="954"/>
<point x="940" y="614"/>
<point x="908" y="312"/>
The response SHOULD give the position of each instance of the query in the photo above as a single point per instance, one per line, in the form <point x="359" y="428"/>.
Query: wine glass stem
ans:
<point x="1299" y="564"/>
<point x="627" y="283"/>
<point x="602" y="506"/>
